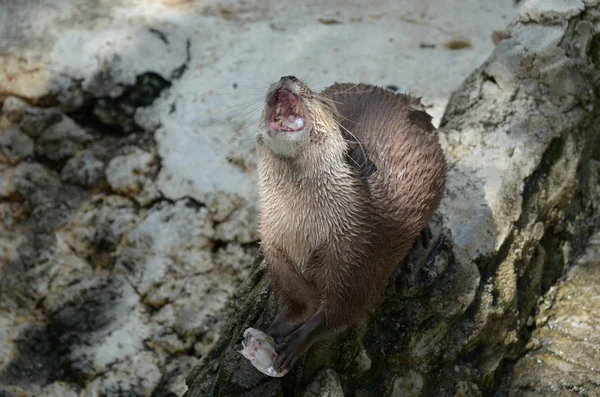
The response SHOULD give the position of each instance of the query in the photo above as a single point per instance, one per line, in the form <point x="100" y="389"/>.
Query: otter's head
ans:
<point x="295" y="117"/>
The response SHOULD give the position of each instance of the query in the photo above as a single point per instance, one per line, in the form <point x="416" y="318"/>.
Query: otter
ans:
<point x="348" y="179"/>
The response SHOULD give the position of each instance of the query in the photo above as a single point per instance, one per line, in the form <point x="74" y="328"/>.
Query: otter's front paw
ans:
<point x="288" y="352"/>
<point x="295" y="344"/>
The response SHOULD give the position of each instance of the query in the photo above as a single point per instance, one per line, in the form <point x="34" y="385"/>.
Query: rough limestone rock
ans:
<point x="61" y="140"/>
<point x="523" y="144"/>
<point x="127" y="188"/>
<point x="15" y="145"/>
<point x="127" y="172"/>
<point x="131" y="174"/>
<point x="564" y="350"/>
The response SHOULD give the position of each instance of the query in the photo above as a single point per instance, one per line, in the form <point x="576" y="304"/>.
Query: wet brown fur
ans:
<point x="331" y="237"/>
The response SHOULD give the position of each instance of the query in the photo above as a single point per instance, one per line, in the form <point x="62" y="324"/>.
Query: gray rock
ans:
<point x="326" y="384"/>
<point x="31" y="120"/>
<point x="99" y="323"/>
<point x="15" y="146"/>
<point x="137" y="375"/>
<point x="98" y="227"/>
<point x="520" y="199"/>
<point x="132" y="175"/>
<point x="175" y="372"/>
<point x="13" y="109"/>
<point x="61" y="140"/>
<point x="7" y="181"/>
<point x="84" y="169"/>
<point x="36" y="183"/>
<point x="61" y="389"/>
<point x="170" y="242"/>
<point x="564" y="351"/>
<point x="408" y="385"/>
<point x="34" y="121"/>
<point x="240" y="226"/>
<point x="67" y="297"/>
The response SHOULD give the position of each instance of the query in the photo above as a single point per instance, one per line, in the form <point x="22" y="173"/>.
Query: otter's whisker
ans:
<point x="229" y="157"/>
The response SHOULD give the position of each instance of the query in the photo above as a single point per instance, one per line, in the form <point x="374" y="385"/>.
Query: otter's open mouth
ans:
<point x="287" y="113"/>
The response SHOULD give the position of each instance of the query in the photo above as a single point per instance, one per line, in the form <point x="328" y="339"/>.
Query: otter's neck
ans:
<point x="309" y="198"/>
<point x="314" y="162"/>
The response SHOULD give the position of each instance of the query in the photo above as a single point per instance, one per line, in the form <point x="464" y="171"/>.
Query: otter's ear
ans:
<point x="358" y="158"/>
<point x="419" y="117"/>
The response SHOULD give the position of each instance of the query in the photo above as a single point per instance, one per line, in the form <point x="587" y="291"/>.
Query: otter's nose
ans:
<point x="288" y="78"/>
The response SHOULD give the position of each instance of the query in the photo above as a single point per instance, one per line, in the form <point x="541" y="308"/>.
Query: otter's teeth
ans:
<point x="279" y="110"/>
<point x="297" y="109"/>
<point x="295" y="124"/>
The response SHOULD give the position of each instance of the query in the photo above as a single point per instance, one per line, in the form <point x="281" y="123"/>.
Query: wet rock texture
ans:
<point x="522" y="139"/>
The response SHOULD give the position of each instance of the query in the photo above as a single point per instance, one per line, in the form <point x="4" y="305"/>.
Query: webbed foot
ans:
<point x="291" y="347"/>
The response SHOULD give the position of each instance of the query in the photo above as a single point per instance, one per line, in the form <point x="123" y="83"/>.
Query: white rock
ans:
<point x="537" y="10"/>
<point x="134" y="375"/>
<point x="241" y="226"/>
<point x="171" y="241"/>
<point x="61" y="389"/>
<point x="204" y="129"/>
<point x="131" y="174"/>
<point x="512" y="151"/>
<point x="112" y="45"/>
<point x="200" y="297"/>
<point x="65" y="269"/>
<point x="234" y="258"/>
<point x="192" y="315"/>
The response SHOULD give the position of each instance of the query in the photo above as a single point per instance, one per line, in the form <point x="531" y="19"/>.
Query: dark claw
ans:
<point x="278" y="339"/>
<point x="288" y="353"/>
<point x="296" y="343"/>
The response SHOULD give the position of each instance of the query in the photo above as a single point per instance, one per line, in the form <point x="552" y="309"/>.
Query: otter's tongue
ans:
<point x="287" y="114"/>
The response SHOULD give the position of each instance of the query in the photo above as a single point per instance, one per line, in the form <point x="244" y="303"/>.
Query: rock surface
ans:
<point x="564" y="351"/>
<point x="127" y="199"/>
<point x="522" y="139"/>
<point x="127" y="192"/>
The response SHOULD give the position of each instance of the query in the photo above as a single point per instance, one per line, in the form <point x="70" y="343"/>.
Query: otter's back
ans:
<point x="400" y="140"/>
